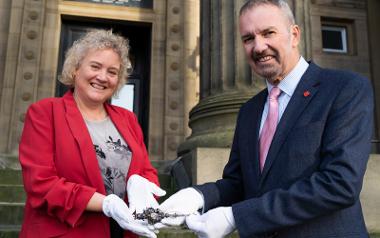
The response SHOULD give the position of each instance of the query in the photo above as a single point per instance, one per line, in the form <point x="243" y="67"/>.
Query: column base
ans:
<point x="205" y="164"/>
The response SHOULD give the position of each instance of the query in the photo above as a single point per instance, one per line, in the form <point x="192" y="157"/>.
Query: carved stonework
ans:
<point x="129" y="3"/>
<point x="341" y="3"/>
<point x="226" y="78"/>
<point x="173" y="73"/>
<point x="22" y="70"/>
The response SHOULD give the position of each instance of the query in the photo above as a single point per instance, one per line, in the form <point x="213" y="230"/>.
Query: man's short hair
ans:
<point x="281" y="4"/>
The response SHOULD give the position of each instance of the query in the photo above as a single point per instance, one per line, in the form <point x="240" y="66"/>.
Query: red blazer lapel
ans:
<point x="86" y="148"/>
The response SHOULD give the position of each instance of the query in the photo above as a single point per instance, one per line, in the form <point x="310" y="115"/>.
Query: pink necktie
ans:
<point x="270" y="125"/>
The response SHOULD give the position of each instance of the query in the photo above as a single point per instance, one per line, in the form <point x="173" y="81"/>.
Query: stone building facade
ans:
<point x="32" y="34"/>
<point x="191" y="74"/>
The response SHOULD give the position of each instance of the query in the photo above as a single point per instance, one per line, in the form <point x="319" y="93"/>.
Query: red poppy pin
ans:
<point x="306" y="93"/>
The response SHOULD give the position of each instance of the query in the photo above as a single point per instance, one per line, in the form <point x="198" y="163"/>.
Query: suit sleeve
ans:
<point x="345" y="149"/>
<point x="45" y="189"/>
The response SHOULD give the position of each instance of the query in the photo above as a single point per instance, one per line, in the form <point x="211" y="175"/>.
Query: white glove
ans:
<point x="184" y="202"/>
<point x="141" y="193"/>
<point x="215" y="223"/>
<point x="115" y="207"/>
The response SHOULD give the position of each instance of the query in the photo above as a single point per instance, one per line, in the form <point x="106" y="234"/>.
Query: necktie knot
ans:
<point x="274" y="93"/>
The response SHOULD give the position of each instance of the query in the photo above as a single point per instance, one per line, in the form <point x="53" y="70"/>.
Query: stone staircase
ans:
<point x="12" y="197"/>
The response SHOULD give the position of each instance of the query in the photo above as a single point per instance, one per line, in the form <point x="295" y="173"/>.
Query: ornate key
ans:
<point x="154" y="215"/>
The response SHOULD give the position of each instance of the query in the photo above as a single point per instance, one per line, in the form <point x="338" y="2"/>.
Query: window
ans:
<point x="334" y="39"/>
<point x="338" y="36"/>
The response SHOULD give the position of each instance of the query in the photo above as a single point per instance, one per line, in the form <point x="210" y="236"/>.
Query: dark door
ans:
<point x="139" y="36"/>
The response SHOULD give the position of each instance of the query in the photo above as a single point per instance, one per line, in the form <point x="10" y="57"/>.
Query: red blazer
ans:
<point x="60" y="168"/>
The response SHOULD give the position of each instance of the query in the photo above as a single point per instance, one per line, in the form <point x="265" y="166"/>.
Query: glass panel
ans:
<point x="334" y="39"/>
<point x="129" y="3"/>
<point x="125" y="97"/>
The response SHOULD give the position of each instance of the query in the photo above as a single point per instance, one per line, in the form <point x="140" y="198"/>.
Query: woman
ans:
<point x="81" y="157"/>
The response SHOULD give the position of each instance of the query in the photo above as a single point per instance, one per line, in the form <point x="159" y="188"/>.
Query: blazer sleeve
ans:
<point x="345" y="149"/>
<point x="45" y="189"/>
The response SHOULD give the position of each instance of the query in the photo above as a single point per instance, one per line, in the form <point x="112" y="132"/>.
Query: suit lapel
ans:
<point x="304" y="93"/>
<point x="253" y="132"/>
<point x="80" y="133"/>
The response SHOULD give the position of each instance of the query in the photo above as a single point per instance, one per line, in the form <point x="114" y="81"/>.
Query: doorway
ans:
<point x="139" y="36"/>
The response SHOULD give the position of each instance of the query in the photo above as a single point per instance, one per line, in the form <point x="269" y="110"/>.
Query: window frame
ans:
<point x="344" y="38"/>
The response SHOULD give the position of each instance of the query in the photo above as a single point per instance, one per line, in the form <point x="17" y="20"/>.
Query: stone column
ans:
<point x="226" y="82"/>
<point x="301" y="10"/>
<point x="182" y="63"/>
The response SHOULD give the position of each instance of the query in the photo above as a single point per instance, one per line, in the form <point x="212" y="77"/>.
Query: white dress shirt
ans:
<point x="288" y="86"/>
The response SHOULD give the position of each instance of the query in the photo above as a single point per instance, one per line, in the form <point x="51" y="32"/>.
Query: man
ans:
<point x="298" y="156"/>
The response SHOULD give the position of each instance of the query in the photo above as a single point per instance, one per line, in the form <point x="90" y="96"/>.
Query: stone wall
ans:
<point x="29" y="49"/>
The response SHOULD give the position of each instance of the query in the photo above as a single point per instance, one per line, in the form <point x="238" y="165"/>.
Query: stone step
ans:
<point x="9" y="231"/>
<point x="11" y="213"/>
<point x="10" y="176"/>
<point x="175" y="232"/>
<point x="12" y="193"/>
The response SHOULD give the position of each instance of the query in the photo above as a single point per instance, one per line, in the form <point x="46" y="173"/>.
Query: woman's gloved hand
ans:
<point x="141" y="193"/>
<point x="115" y="207"/>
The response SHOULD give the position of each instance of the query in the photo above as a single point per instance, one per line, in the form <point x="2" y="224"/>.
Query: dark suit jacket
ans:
<point x="61" y="171"/>
<point x="314" y="170"/>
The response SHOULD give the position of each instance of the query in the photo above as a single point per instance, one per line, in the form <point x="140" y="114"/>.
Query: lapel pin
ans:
<point x="306" y="93"/>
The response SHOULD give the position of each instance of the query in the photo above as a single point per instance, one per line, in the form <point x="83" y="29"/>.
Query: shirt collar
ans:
<point x="289" y="83"/>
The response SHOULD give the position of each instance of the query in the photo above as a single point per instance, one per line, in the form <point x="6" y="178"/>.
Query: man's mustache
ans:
<point x="256" y="56"/>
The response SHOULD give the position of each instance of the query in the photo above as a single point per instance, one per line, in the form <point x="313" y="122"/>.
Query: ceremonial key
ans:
<point x="154" y="215"/>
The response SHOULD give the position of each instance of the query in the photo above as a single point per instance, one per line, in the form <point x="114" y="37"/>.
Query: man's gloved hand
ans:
<point x="216" y="223"/>
<point x="115" y="207"/>
<point x="184" y="202"/>
<point x="141" y="193"/>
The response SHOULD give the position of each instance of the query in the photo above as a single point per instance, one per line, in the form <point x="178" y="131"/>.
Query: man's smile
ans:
<point x="265" y="58"/>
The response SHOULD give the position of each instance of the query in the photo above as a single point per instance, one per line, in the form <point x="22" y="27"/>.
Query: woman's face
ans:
<point x="97" y="77"/>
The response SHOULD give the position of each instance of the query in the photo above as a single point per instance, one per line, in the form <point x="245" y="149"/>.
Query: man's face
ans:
<point x="270" y="42"/>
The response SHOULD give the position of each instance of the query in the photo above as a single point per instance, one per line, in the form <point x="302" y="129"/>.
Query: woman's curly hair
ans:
<point x="96" y="40"/>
